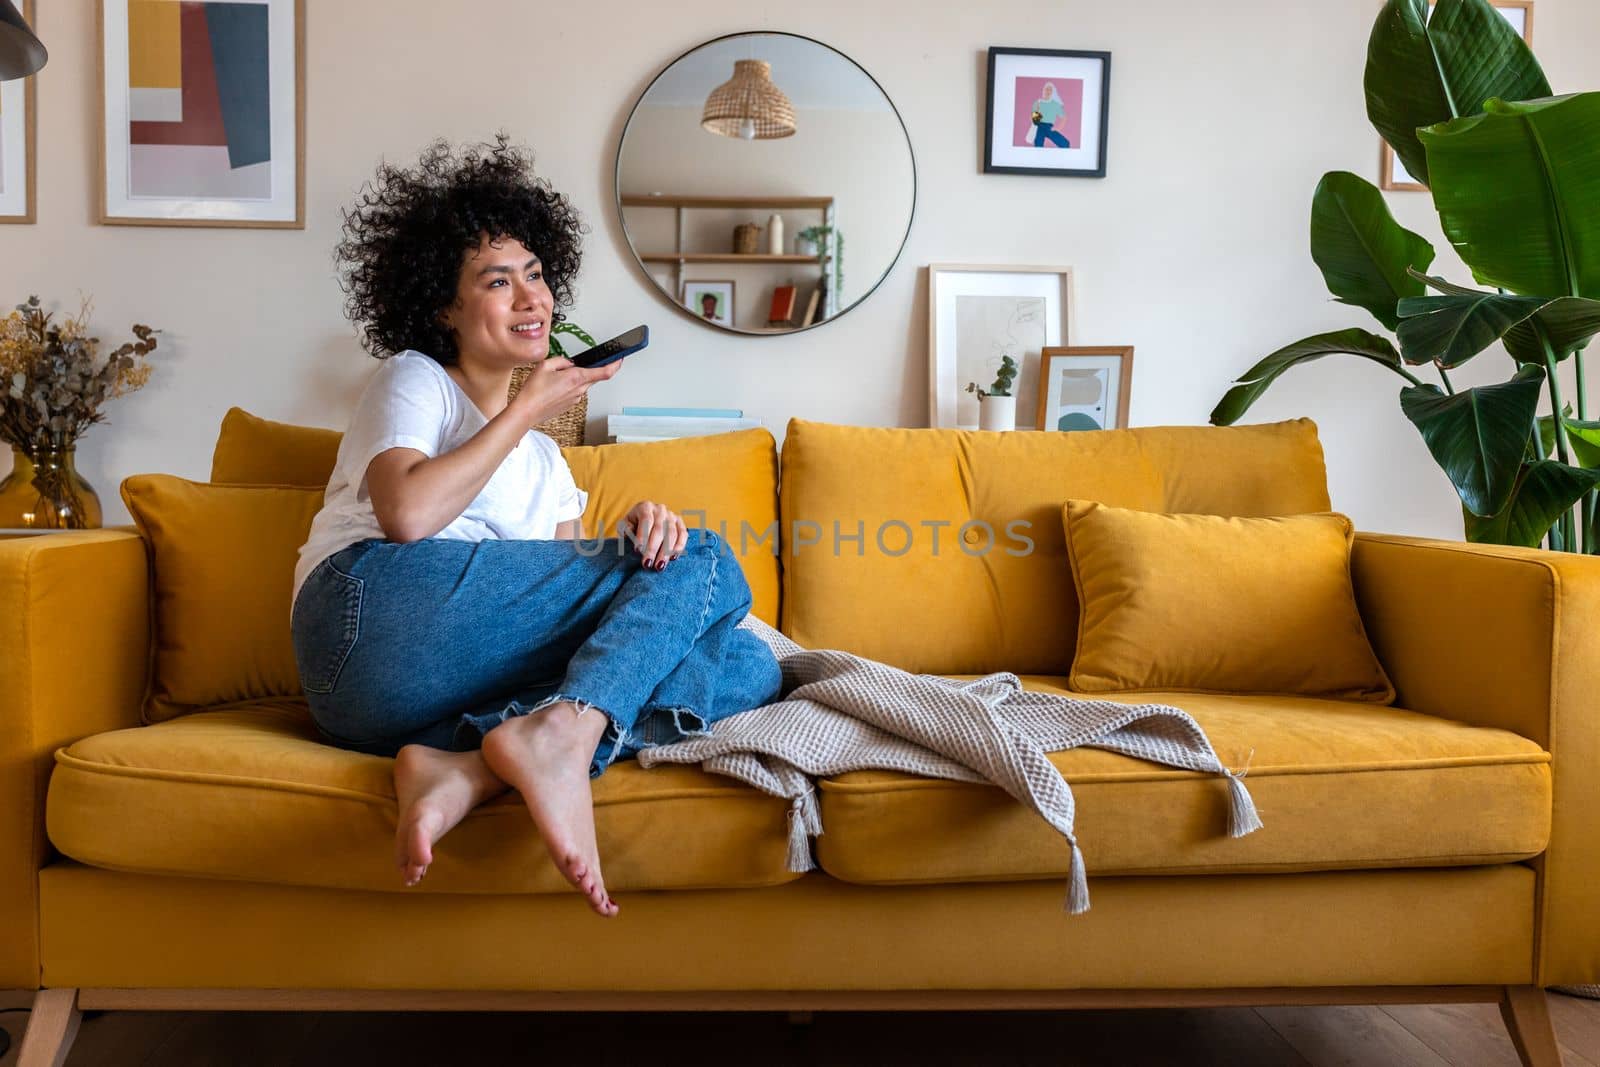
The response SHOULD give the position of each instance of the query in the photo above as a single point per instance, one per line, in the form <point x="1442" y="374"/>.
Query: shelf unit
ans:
<point x="679" y="258"/>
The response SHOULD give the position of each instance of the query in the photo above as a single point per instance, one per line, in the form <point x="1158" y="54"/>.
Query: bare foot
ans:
<point x="434" y="790"/>
<point x="545" y="757"/>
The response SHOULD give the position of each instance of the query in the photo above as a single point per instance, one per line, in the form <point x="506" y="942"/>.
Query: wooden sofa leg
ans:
<point x="51" y="1029"/>
<point x="1527" y="1016"/>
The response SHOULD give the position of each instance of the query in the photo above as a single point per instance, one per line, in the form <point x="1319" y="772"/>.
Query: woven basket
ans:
<point x="745" y="236"/>
<point x="566" y="428"/>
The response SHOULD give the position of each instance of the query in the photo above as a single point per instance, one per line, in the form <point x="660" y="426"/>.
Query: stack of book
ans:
<point x="665" y="424"/>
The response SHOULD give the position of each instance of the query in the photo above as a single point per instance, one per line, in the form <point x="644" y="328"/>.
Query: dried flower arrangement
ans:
<point x="52" y="381"/>
<point x="52" y="385"/>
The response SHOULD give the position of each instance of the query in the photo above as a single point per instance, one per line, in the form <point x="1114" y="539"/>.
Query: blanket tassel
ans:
<point x="1078" y="887"/>
<point x="799" y="842"/>
<point x="1242" y="817"/>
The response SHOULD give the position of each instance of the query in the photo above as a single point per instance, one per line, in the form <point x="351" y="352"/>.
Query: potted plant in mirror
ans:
<point x="566" y="429"/>
<point x="997" y="408"/>
<point x="813" y="241"/>
<point x="1468" y="110"/>
<point x="52" y="386"/>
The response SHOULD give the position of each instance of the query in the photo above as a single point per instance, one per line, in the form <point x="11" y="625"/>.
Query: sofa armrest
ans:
<point x="1509" y="638"/>
<point x="75" y="630"/>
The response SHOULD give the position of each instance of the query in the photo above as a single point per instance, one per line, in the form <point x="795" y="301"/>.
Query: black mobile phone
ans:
<point x="614" y="349"/>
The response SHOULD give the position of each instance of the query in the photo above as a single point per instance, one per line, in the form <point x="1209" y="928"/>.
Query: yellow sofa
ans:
<point x="1443" y="848"/>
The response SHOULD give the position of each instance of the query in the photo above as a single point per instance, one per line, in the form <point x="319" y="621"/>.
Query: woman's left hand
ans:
<point x="658" y="532"/>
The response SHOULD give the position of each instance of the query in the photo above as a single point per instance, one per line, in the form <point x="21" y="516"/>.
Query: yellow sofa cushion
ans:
<point x="1203" y="602"/>
<point x="725" y="482"/>
<point x="950" y="589"/>
<point x="222" y="561"/>
<point x="251" y="793"/>
<point x="941" y="550"/>
<point x="1340" y="785"/>
<point x="1273" y="468"/>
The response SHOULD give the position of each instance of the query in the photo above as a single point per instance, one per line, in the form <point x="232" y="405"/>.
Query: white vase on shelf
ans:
<point x="775" y="235"/>
<point x="997" y="413"/>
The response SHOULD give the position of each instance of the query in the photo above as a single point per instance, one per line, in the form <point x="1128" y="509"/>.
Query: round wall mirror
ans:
<point x="765" y="183"/>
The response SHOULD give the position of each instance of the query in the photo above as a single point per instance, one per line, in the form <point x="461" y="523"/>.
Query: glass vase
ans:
<point x="44" y="491"/>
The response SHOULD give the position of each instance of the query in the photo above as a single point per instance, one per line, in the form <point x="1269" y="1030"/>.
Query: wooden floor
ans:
<point x="1463" y="1035"/>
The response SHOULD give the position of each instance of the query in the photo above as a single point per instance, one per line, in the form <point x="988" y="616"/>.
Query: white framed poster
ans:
<point x="202" y="112"/>
<point x="978" y="315"/>
<point x="18" y="167"/>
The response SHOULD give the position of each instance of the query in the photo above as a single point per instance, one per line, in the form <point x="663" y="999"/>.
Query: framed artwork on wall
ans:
<point x="978" y="315"/>
<point x="1392" y="174"/>
<point x="1047" y="112"/>
<point x="1085" y="388"/>
<point x="18" y="167"/>
<point x="711" y="300"/>
<point x="202" y="106"/>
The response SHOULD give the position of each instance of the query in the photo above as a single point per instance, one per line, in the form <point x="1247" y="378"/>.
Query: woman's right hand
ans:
<point x="555" y="385"/>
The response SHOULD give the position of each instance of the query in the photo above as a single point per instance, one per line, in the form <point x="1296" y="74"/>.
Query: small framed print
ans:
<point x="711" y="300"/>
<point x="18" y="168"/>
<point x="202" y="106"/>
<point x="1047" y="112"/>
<point x="978" y="315"/>
<point x="1392" y="173"/>
<point x="1085" y="388"/>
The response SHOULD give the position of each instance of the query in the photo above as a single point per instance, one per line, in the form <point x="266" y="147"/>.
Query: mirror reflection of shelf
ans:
<point x="679" y="258"/>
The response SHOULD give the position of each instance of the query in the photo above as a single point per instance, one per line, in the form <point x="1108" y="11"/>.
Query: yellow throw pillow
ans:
<point x="251" y="450"/>
<point x="1205" y="603"/>
<point x="222" y="563"/>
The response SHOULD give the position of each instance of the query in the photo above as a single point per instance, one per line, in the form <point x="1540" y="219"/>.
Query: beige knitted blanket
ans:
<point x="841" y="712"/>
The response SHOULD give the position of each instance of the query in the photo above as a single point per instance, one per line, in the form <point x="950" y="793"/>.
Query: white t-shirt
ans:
<point x="412" y="403"/>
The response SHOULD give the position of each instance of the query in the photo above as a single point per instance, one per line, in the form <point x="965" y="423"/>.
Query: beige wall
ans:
<point x="1223" y="116"/>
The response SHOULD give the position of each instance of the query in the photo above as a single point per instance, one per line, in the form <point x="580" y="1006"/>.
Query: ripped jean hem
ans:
<point x="658" y="724"/>
<point x="472" y="727"/>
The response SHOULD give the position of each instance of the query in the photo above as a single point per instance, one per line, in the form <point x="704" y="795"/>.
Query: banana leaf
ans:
<point x="1421" y="71"/>
<point x="1254" y="382"/>
<point x="1583" y="438"/>
<point x="1367" y="258"/>
<point x="1518" y="193"/>
<point x="1478" y="435"/>
<point x="1545" y="491"/>
<point x="1568" y="322"/>
<point x="1452" y="329"/>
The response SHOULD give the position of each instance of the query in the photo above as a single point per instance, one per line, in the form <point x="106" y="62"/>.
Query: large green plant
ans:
<point x="1515" y="177"/>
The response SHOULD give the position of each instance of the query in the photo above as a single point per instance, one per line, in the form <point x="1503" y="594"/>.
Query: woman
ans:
<point x="1047" y="111"/>
<point x="445" y="612"/>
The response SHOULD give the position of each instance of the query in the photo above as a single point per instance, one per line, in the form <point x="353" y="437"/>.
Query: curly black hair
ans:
<point x="406" y="234"/>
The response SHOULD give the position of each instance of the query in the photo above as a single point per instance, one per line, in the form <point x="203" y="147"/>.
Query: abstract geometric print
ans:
<point x="200" y="124"/>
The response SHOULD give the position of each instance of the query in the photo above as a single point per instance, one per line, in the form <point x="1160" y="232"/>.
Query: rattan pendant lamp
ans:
<point x="748" y="105"/>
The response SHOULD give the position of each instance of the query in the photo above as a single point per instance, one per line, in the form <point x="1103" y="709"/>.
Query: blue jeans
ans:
<point x="436" y="642"/>
<point x="1043" y="130"/>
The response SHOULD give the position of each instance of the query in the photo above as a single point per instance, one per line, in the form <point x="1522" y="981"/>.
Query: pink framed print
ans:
<point x="1047" y="112"/>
